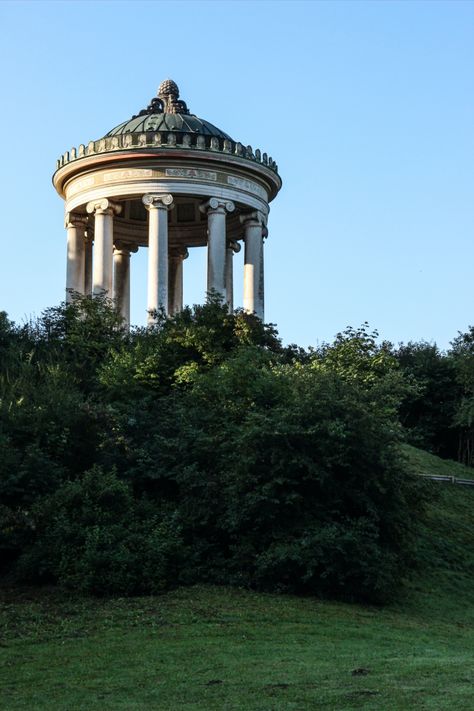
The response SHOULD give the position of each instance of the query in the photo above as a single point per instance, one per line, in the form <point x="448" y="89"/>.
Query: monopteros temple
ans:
<point x="170" y="181"/>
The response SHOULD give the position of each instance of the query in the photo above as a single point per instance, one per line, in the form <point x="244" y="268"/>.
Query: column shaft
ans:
<point x="253" y="269"/>
<point x="216" y="251"/>
<point x="103" y="254"/>
<point x="175" y="283"/>
<point x="217" y="244"/>
<point x="229" y="277"/>
<point x="261" y="280"/>
<point x="157" y="206"/>
<point x="75" y="256"/>
<point x="232" y="247"/>
<point x="88" y="266"/>
<point x="102" y="270"/>
<point x="122" y="283"/>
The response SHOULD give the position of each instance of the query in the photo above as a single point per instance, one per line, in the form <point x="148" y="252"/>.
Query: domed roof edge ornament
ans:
<point x="167" y="112"/>
<point x="166" y="102"/>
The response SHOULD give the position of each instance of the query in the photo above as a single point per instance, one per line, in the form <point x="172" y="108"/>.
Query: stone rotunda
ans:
<point x="170" y="181"/>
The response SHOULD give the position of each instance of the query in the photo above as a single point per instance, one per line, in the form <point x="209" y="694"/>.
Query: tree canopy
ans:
<point x="202" y="450"/>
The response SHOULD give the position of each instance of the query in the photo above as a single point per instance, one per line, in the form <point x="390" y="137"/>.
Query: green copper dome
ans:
<point x="167" y="112"/>
<point x="166" y="124"/>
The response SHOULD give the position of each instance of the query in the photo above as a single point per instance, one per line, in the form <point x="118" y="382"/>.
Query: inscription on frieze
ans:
<point x="191" y="173"/>
<point x="118" y="175"/>
<point x="247" y="185"/>
<point x="79" y="185"/>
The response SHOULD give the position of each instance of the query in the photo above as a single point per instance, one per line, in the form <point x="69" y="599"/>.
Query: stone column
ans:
<point x="103" y="211"/>
<point x="175" y="280"/>
<point x="232" y="247"/>
<point x="122" y="280"/>
<point x="88" y="264"/>
<point x="217" y="243"/>
<point x="253" y="263"/>
<point x="261" y="279"/>
<point x="75" y="225"/>
<point x="157" y="206"/>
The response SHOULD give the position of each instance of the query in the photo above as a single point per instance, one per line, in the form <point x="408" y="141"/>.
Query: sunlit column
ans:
<point x="102" y="271"/>
<point x="75" y="225"/>
<point x="217" y="210"/>
<point x="253" y="263"/>
<point x="157" y="206"/>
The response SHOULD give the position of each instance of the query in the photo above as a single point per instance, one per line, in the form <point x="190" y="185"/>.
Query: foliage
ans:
<point x="462" y="353"/>
<point x="201" y="450"/>
<point x="428" y="409"/>
<point x="91" y="535"/>
<point x="81" y="334"/>
<point x="177" y="349"/>
<point x="275" y="468"/>
<point x="356" y="355"/>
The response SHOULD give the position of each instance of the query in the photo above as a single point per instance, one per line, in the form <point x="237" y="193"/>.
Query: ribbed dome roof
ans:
<point x="167" y="112"/>
<point x="168" y="122"/>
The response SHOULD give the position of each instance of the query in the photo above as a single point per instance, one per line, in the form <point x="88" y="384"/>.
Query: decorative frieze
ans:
<point x="247" y="185"/>
<point x="191" y="173"/>
<point x="117" y="176"/>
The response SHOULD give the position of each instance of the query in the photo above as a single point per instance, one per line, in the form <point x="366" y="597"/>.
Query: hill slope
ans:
<point x="207" y="648"/>
<point x="421" y="462"/>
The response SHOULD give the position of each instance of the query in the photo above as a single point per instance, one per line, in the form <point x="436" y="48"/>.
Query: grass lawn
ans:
<point x="425" y="463"/>
<point x="209" y="648"/>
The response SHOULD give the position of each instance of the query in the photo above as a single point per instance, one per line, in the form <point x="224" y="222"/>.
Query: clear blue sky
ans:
<point x="367" y="107"/>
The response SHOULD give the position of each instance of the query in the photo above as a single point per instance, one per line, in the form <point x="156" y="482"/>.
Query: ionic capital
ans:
<point x="159" y="201"/>
<point x="74" y="219"/>
<point x="124" y="248"/>
<point x="178" y="254"/>
<point x="256" y="217"/>
<point x="234" y="246"/>
<point x="103" y="207"/>
<point x="217" y="205"/>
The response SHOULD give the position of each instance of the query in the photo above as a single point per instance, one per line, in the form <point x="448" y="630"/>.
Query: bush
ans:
<point x="92" y="536"/>
<point x="285" y="478"/>
<point x="200" y="450"/>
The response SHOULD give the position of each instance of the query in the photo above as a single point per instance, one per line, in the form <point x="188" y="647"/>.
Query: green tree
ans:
<point x="356" y="355"/>
<point x="201" y="450"/>
<point x="428" y="408"/>
<point x="462" y="354"/>
<point x="285" y="477"/>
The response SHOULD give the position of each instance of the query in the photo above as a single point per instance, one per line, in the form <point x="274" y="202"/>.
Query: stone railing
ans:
<point x="166" y="140"/>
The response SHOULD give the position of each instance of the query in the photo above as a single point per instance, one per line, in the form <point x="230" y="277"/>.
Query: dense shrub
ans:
<point x="428" y="410"/>
<point x="267" y="463"/>
<point x="201" y="450"/>
<point x="93" y="536"/>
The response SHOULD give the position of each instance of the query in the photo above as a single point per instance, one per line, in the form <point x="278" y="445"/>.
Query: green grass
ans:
<point x="209" y="648"/>
<point x="425" y="463"/>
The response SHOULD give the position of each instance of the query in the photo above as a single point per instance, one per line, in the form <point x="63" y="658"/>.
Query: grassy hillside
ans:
<point x="206" y="648"/>
<point x="425" y="463"/>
